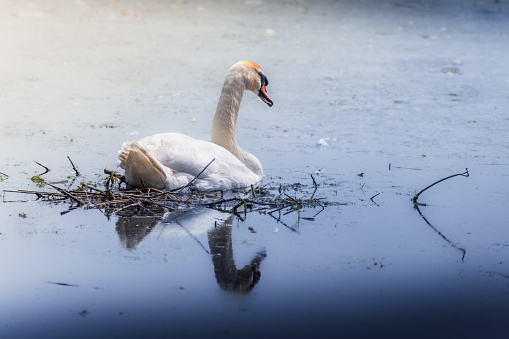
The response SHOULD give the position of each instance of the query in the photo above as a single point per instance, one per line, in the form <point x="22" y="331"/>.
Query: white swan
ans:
<point x="172" y="160"/>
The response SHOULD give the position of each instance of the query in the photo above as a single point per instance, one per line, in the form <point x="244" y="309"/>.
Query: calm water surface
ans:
<point x="404" y="93"/>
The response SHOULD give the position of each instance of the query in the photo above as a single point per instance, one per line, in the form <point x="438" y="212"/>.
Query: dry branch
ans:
<point x="180" y="189"/>
<point x="74" y="167"/>
<point x="373" y="201"/>
<point x="66" y="193"/>
<point x="416" y="196"/>
<point x="46" y="168"/>
<point x="112" y="199"/>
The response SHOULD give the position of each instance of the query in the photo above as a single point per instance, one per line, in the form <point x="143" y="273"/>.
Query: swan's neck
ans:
<point x="225" y="119"/>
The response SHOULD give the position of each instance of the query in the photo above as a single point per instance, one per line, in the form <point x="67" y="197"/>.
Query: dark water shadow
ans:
<point x="132" y="230"/>
<point x="462" y="250"/>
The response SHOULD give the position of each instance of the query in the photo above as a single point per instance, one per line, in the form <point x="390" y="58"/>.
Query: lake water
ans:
<point x="403" y="92"/>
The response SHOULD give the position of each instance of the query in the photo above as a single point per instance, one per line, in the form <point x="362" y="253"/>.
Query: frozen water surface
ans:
<point x="405" y="92"/>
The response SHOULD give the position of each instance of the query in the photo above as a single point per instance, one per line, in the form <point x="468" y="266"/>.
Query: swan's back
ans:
<point x="181" y="159"/>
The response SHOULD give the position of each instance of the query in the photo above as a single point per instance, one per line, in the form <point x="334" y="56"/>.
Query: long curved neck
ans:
<point x="225" y="119"/>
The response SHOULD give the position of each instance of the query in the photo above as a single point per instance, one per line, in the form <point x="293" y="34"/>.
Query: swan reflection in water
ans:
<point x="228" y="276"/>
<point x="132" y="230"/>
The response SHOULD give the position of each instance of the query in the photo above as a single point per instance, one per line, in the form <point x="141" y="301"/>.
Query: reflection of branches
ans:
<point x="416" y="206"/>
<point x="320" y="211"/>
<point x="192" y="236"/>
<point x="278" y="219"/>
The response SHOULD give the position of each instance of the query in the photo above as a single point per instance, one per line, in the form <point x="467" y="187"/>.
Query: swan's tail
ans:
<point x="123" y="153"/>
<point x="142" y="169"/>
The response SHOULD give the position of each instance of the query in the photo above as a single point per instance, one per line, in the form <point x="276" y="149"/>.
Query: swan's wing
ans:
<point x="152" y="144"/>
<point x="190" y="158"/>
<point x="182" y="153"/>
<point x="182" y="158"/>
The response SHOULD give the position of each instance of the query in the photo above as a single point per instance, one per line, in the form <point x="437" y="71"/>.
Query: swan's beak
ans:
<point x="262" y="93"/>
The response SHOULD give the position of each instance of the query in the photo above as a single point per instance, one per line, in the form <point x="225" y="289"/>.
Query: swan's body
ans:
<point x="172" y="160"/>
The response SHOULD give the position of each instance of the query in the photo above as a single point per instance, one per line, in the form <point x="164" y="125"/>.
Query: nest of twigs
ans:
<point x="113" y="196"/>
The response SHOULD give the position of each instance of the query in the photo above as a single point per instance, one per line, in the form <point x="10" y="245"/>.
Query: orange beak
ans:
<point x="264" y="96"/>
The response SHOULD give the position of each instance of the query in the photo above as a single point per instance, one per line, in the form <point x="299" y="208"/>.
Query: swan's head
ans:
<point x="255" y="79"/>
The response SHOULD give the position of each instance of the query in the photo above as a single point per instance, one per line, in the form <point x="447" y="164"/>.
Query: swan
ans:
<point x="173" y="160"/>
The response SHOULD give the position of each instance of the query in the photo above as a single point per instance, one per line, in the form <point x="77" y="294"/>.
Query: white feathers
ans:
<point x="172" y="160"/>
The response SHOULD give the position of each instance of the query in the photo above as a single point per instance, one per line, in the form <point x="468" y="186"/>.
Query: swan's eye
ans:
<point x="263" y="79"/>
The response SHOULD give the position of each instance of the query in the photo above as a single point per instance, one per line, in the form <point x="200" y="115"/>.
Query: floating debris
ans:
<point x="450" y="71"/>
<point x="322" y="143"/>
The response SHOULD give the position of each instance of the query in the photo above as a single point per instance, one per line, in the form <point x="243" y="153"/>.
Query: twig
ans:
<point x="88" y="199"/>
<point x="279" y="219"/>
<point x="314" y="182"/>
<point x="66" y="193"/>
<point x="316" y="187"/>
<point x="374" y="200"/>
<point x="32" y="192"/>
<point x="95" y="189"/>
<point x="47" y="169"/>
<point x="111" y="202"/>
<point x="323" y="208"/>
<point x="145" y="208"/>
<point x="240" y="203"/>
<point x="261" y="203"/>
<point x="126" y="207"/>
<point x="74" y="167"/>
<point x="152" y="201"/>
<point x="58" y="182"/>
<point x="193" y="236"/>
<point x="289" y="197"/>
<point x="5" y="175"/>
<point x="62" y="284"/>
<point x="180" y="189"/>
<point x="408" y="168"/>
<point x="464" y="174"/>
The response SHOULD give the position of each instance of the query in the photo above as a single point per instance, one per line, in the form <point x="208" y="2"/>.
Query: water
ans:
<point x="404" y="92"/>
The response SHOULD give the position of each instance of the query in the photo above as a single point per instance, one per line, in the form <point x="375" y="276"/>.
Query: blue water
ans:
<point x="358" y="87"/>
